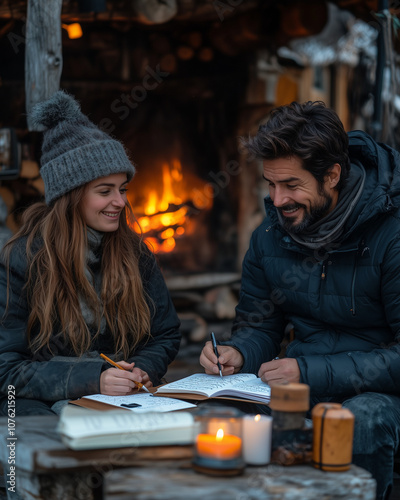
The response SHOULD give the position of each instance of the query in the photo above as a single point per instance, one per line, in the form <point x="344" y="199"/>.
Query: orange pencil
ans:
<point x="138" y="384"/>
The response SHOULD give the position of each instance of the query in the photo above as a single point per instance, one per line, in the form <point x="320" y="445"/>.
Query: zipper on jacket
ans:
<point x="323" y="272"/>
<point x="353" y="282"/>
<point x="360" y="253"/>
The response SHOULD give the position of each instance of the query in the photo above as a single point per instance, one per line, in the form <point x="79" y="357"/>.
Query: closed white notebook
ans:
<point x="81" y="429"/>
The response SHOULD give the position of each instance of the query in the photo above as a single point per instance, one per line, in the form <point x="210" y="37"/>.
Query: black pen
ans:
<point x="214" y="343"/>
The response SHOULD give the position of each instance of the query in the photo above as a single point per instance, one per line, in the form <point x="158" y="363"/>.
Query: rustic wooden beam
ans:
<point x="142" y="11"/>
<point x="43" y="54"/>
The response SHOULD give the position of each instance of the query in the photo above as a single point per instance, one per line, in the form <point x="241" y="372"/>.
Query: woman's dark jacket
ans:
<point x="60" y="374"/>
<point x="344" y="302"/>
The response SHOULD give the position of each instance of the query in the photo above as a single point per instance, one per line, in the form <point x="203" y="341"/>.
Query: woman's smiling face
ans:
<point x="103" y="201"/>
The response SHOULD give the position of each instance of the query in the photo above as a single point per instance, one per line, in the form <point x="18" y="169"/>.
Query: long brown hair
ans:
<point x="56" y="277"/>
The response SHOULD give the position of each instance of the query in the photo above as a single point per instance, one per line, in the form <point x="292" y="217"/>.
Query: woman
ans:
<point x="76" y="281"/>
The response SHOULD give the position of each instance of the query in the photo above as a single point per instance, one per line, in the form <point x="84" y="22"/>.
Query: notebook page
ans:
<point x="147" y="402"/>
<point x="207" y="385"/>
<point x="256" y="388"/>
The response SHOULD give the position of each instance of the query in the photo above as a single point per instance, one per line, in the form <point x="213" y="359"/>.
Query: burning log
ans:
<point x="163" y="215"/>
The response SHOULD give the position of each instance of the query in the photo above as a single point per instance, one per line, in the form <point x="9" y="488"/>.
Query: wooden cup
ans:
<point x="333" y="429"/>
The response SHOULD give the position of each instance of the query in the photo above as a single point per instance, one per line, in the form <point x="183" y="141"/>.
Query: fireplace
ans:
<point x="185" y="191"/>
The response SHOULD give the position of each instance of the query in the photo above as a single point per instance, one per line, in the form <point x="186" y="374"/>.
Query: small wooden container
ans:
<point x="333" y="430"/>
<point x="289" y="404"/>
<point x="291" y="440"/>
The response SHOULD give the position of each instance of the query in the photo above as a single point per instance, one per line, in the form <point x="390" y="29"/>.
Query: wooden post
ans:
<point x="43" y="56"/>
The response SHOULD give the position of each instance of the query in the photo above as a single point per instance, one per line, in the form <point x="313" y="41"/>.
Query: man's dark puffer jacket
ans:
<point x="344" y="302"/>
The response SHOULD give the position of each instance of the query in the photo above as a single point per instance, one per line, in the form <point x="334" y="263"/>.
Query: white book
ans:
<point x="82" y="429"/>
<point x="242" y="386"/>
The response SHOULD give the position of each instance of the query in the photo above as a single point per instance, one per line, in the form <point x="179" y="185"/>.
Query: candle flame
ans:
<point x="220" y="434"/>
<point x="257" y="418"/>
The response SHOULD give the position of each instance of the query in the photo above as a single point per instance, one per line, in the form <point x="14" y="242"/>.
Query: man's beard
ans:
<point x="311" y="216"/>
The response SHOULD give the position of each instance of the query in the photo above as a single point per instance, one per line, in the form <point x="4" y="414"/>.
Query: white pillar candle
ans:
<point x="257" y="435"/>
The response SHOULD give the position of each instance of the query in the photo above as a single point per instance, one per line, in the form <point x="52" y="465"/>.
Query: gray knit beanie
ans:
<point x="74" y="150"/>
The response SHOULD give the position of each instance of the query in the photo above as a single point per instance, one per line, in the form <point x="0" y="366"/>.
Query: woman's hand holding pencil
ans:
<point x="123" y="379"/>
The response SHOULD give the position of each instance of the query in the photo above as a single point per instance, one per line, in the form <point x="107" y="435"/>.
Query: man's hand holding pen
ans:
<point x="229" y="358"/>
<point x="117" y="382"/>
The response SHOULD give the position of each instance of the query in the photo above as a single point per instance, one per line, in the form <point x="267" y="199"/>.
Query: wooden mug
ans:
<point x="333" y="430"/>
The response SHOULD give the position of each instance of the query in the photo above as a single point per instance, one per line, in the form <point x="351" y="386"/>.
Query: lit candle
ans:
<point x="257" y="434"/>
<point x="219" y="446"/>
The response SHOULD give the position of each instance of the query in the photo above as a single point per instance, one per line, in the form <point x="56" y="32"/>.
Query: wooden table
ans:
<point x="46" y="469"/>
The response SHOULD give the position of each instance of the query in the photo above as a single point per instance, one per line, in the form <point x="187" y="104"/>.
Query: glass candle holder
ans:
<point x="218" y="446"/>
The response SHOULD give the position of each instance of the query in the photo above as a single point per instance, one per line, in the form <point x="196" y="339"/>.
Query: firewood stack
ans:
<point x="20" y="193"/>
<point x="205" y="302"/>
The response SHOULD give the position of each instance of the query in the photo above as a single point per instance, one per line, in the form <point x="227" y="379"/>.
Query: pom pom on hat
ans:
<point x="74" y="150"/>
<point x="61" y="106"/>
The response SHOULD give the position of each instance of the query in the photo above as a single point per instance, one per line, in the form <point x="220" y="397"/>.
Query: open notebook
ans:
<point x="241" y="386"/>
<point x="141" y="402"/>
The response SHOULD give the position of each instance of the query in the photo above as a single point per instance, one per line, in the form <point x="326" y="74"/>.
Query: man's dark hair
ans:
<point x="310" y="131"/>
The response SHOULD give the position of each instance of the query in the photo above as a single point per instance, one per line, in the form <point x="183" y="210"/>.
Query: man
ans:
<point x="326" y="259"/>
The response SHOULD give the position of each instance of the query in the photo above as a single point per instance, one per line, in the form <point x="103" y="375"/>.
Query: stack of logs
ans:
<point x="205" y="302"/>
<point x="17" y="194"/>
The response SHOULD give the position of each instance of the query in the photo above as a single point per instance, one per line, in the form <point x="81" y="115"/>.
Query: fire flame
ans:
<point x="220" y="434"/>
<point x="165" y="216"/>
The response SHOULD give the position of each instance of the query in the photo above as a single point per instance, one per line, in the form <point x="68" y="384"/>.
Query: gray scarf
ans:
<point x="95" y="239"/>
<point x="329" y="229"/>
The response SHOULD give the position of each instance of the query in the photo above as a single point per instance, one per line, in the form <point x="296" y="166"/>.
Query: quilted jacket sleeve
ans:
<point x="354" y="372"/>
<point x="259" y="324"/>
